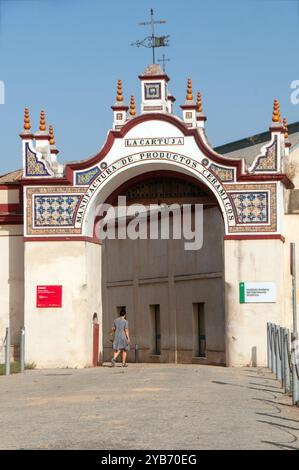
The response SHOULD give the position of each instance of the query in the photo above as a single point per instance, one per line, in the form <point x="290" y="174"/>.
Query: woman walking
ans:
<point x="121" y="342"/>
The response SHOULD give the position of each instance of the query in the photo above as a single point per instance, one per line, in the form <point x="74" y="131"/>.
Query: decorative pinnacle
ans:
<point x="52" y="138"/>
<point x="276" y="112"/>
<point x="199" y="103"/>
<point x="189" y="96"/>
<point x="27" y="125"/>
<point x="42" y="123"/>
<point x="132" y="106"/>
<point x="286" y="131"/>
<point x="119" y="96"/>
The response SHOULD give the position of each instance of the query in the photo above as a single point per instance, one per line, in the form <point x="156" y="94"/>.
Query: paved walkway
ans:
<point x="146" y="407"/>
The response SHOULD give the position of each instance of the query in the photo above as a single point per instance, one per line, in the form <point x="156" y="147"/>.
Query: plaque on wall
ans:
<point x="48" y="296"/>
<point x="257" y="292"/>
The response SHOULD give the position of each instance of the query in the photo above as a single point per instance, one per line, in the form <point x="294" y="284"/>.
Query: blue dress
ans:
<point x="120" y="339"/>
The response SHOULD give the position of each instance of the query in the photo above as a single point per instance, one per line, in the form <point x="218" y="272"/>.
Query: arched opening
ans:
<point x="117" y="175"/>
<point x="174" y="298"/>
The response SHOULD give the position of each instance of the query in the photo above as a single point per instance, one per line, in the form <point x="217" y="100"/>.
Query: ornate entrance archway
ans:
<point x="60" y="209"/>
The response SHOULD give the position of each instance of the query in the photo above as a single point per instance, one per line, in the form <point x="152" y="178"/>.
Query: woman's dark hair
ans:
<point x="122" y="312"/>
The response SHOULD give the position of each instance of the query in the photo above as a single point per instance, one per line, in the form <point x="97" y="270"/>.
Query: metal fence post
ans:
<point x="278" y="355"/>
<point x="294" y="334"/>
<point x="287" y="382"/>
<point x="281" y="336"/>
<point x="268" y="345"/>
<point x="296" y="401"/>
<point x="7" y="352"/>
<point x="294" y="349"/>
<point x="22" y="350"/>
<point x="273" y="348"/>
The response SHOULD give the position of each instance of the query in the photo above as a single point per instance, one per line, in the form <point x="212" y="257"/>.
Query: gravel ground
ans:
<point x="147" y="406"/>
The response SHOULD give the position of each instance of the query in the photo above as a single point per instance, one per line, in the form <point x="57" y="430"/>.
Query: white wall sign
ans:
<point x="142" y="142"/>
<point x="255" y="292"/>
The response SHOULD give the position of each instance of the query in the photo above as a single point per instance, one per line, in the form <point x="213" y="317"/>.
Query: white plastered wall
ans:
<point x="62" y="337"/>
<point x="251" y="260"/>
<point x="94" y="286"/>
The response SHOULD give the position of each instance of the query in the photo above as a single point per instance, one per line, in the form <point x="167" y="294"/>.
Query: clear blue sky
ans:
<point x="66" y="56"/>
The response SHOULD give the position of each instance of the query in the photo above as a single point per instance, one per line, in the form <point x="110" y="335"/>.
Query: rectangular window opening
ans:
<point x="199" y="330"/>
<point x="156" y="329"/>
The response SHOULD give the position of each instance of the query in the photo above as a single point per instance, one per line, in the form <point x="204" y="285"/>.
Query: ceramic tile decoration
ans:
<point x="224" y="174"/>
<point x="152" y="91"/>
<point x="34" y="167"/>
<point x="84" y="178"/>
<point x="51" y="210"/>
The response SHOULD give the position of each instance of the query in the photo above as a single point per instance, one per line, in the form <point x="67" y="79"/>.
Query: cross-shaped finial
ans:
<point x="163" y="60"/>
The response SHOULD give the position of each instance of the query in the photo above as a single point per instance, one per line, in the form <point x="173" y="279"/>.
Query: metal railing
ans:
<point x="283" y="358"/>
<point x="5" y="352"/>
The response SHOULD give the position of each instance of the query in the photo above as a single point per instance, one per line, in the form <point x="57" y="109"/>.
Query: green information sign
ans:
<point x="257" y="292"/>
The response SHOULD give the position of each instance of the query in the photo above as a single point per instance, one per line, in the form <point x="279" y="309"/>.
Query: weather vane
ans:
<point x="152" y="41"/>
<point x="163" y="60"/>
